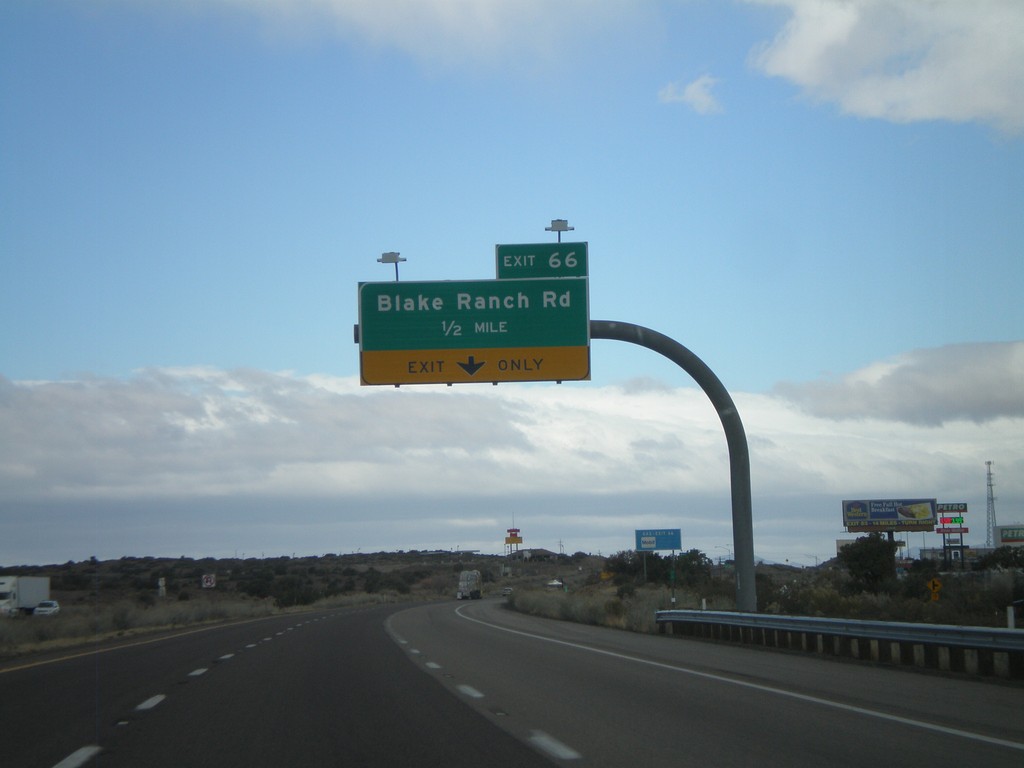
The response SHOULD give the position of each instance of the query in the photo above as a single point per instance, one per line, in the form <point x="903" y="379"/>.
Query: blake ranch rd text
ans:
<point x="470" y="302"/>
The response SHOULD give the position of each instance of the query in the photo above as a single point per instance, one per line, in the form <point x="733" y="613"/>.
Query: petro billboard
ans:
<point x="867" y="515"/>
<point x="1009" y="536"/>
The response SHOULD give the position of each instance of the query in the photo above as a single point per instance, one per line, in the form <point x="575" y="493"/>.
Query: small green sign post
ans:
<point x="541" y="260"/>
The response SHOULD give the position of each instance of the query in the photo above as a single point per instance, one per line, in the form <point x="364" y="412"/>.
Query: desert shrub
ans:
<point x="121" y="618"/>
<point x="634" y="613"/>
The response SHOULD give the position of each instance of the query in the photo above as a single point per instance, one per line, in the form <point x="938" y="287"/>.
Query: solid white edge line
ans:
<point x="151" y="702"/>
<point x="765" y="688"/>
<point x="79" y="757"/>
<point x="553" y="746"/>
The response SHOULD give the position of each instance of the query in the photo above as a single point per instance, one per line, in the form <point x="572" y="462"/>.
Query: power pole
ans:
<point x="990" y="518"/>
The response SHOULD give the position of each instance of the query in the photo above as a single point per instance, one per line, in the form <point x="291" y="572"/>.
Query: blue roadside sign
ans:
<point x="655" y="539"/>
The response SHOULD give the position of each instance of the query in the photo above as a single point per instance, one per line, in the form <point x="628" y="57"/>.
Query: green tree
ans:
<point x="871" y="561"/>
<point x="1003" y="557"/>
<point x="694" y="567"/>
<point x="625" y="566"/>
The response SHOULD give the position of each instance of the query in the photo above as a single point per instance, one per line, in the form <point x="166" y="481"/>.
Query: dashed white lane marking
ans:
<point x="251" y="645"/>
<point x="226" y="656"/>
<point x="470" y="691"/>
<point x="151" y="702"/>
<point x="433" y="665"/>
<point x="414" y="651"/>
<point x="198" y="672"/>
<point x="79" y="757"/>
<point x="553" y="746"/>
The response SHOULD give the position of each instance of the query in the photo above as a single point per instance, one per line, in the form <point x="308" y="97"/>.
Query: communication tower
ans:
<point x="990" y="519"/>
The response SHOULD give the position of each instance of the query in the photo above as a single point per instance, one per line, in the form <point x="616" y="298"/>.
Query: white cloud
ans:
<point x="525" y="33"/>
<point x="975" y="382"/>
<point x="906" y="60"/>
<point x="697" y="95"/>
<point x="279" y="463"/>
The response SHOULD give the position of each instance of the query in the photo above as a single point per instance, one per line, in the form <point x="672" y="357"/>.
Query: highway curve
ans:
<point x="461" y="684"/>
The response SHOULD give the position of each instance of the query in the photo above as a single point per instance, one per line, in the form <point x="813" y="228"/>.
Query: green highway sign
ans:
<point x="541" y="260"/>
<point x="475" y="330"/>
<point x="474" y="313"/>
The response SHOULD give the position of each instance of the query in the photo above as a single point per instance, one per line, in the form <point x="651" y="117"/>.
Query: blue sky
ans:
<point x="808" y="195"/>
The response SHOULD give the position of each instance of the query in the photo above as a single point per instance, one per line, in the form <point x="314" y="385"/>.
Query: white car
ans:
<point x="47" y="608"/>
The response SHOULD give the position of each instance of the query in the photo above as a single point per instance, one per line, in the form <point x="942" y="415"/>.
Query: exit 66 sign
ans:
<point x="448" y="332"/>
<point x="541" y="260"/>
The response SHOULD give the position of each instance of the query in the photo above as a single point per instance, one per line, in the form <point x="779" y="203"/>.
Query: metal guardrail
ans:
<point x="989" y="638"/>
<point x="976" y="651"/>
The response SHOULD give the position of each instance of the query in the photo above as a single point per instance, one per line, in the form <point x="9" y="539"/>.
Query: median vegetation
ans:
<point x="102" y="600"/>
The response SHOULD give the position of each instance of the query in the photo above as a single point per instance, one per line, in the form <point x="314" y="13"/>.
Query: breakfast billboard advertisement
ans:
<point x="889" y="515"/>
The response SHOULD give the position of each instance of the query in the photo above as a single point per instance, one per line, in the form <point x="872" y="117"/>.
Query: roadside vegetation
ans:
<point x="102" y="600"/>
<point x="865" y="582"/>
<point x="122" y="598"/>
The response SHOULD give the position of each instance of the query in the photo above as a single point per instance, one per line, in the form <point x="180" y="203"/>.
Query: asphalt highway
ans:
<point x="325" y="689"/>
<point x="612" y="698"/>
<point x="472" y="684"/>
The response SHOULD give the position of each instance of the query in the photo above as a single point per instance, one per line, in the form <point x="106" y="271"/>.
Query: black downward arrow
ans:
<point x="471" y="366"/>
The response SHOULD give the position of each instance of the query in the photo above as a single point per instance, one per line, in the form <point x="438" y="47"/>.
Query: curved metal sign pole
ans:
<point x="739" y="455"/>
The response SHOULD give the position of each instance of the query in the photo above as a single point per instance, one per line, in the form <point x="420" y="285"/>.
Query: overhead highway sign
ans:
<point x="448" y="332"/>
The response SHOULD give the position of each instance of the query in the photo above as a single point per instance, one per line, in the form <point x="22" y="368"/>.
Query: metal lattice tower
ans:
<point x="990" y="518"/>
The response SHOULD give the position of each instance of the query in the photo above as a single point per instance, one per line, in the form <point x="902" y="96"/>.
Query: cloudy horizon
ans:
<point x="207" y="462"/>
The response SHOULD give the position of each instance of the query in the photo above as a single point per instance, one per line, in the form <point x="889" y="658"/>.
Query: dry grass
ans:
<point x="604" y="606"/>
<point x="75" y="625"/>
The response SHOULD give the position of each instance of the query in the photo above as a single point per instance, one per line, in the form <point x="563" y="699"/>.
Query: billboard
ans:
<point x="1009" y="536"/>
<point x="651" y="540"/>
<point x="867" y="515"/>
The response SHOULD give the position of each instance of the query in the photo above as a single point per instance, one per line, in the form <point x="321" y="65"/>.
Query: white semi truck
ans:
<point x="470" y="585"/>
<point x="21" y="594"/>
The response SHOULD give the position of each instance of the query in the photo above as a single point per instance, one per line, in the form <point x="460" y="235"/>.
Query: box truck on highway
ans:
<point x="21" y="594"/>
<point x="469" y="586"/>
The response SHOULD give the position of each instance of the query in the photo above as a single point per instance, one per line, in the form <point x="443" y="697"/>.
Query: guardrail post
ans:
<point x="1001" y="664"/>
